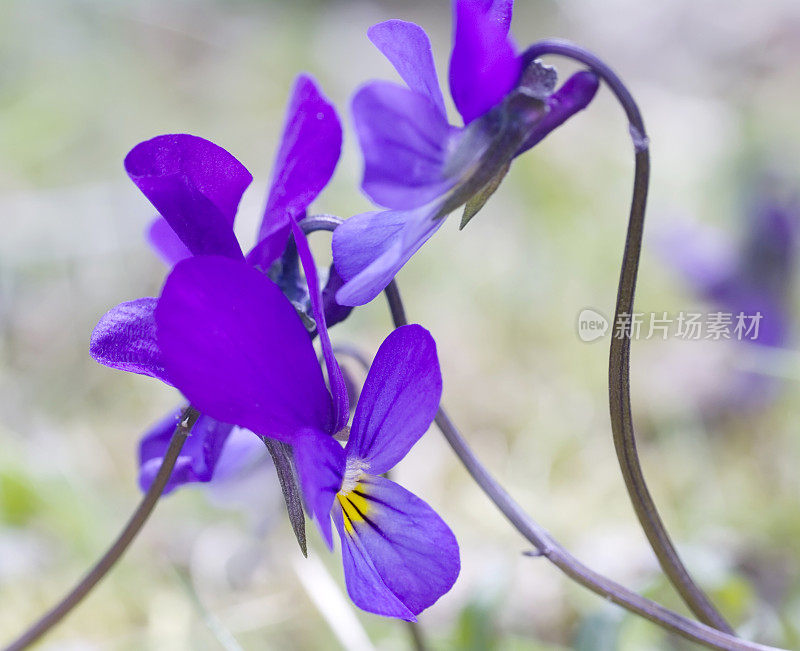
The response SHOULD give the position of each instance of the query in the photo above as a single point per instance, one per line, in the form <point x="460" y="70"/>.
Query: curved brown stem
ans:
<point x="120" y="545"/>
<point x="619" y="355"/>
<point x="554" y="552"/>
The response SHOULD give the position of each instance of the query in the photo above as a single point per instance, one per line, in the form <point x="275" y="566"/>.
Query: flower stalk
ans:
<point x="619" y="356"/>
<point x="126" y="537"/>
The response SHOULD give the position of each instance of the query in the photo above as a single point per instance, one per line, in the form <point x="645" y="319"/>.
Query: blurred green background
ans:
<point x="82" y="81"/>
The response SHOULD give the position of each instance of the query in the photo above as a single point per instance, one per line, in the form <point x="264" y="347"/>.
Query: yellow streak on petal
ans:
<point x="354" y="507"/>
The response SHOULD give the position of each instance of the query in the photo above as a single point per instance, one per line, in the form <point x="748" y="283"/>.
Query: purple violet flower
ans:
<point x="196" y="186"/>
<point x="421" y="168"/>
<point x="237" y="349"/>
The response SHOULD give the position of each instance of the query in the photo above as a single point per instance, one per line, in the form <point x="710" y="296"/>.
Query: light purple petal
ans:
<point x="166" y="242"/>
<point x="341" y="408"/>
<point x="125" y="339"/>
<point x="483" y="65"/>
<point x="405" y="141"/>
<point x="319" y="459"/>
<point x="703" y="255"/>
<point x="236" y="348"/>
<point x="398" y="401"/>
<point x="307" y="156"/>
<point x="198" y="458"/>
<point x="408" y="49"/>
<point x="399" y="556"/>
<point x="573" y="96"/>
<point x="369" y="249"/>
<point x="195" y="186"/>
<point x="242" y="453"/>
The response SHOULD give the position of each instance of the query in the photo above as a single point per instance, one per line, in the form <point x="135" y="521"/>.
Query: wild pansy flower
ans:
<point x="196" y="187"/>
<point x="420" y="167"/>
<point x="237" y="349"/>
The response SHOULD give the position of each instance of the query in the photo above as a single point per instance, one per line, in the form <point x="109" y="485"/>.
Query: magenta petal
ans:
<point x="405" y="141"/>
<point x="408" y="49"/>
<point x="399" y="556"/>
<point x="166" y="242"/>
<point x="236" y="348"/>
<point x="369" y="249"/>
<point x="483" y="65"/>
<point x="125" y="339"/>
<point x="319" y="459"/>
<point x="399" y="399"/>
<point x="195" y="186"/>
<point x="198" y="458"/>
<point x="341" y="407"/>
<point x="307" y="156"/>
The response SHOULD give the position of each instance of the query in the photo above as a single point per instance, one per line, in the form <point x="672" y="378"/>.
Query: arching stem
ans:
<point x="550" y="549"/>
<point x="127" y="535"/>
<point x="619" y="357"/>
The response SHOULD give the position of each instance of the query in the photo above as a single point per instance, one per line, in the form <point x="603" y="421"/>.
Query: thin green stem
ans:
<point x="127" y="535"/>
<point x="619" y="355"/>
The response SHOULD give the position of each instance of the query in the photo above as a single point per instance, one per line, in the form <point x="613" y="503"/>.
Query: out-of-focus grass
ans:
<point x="83" y="82"/>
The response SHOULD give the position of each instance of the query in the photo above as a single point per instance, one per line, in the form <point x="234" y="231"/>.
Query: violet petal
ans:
<point x="305" y="161"/>
<point x="399" y="399"/>
<point x="195" y="186"/>
<point x="166" y="243"/>
<point x="320" y="461"/>
<point x="405" y="141"/>
<point x="338" y="387"/>
<point x="408" y="49"/>
<point x="125" y="339"/>
<point x="483" y="64"/>
<point x="399" y="556"/>
<point x="198" y="458"/>
<point x="236" y="348"/>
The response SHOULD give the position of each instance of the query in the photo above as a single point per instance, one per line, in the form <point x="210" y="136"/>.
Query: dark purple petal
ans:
<point x="269" y="249"/>
<point x="573" y="96"/>
<point x="125" y="339"/>
<point x="236" y="348"/>
<point x="319" y="459"/>
<point x="408" y="49"/>
<point x="334" y="313"/>
<point x="405" y="141"/>
<point x="398" y="401"/>
<point x="483" y="65"/>
<point x="195" y="185"/>
<point x="166" y="242"/>
<point x="306" y="158"/>
<point x="369" y="249"/>
<point x="198" y="457"/>
<point x="341" y="408"/>
<point x="399" y="556"/>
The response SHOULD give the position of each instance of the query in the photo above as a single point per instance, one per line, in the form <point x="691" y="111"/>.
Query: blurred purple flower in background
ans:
<point x="238" y="350"/>
<point x="752" y="277"/>
<point x="420" y="167"/>
<point x="196" y="186"/>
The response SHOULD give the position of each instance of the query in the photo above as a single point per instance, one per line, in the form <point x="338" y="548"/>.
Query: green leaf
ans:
<point x="479" y="199"/>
